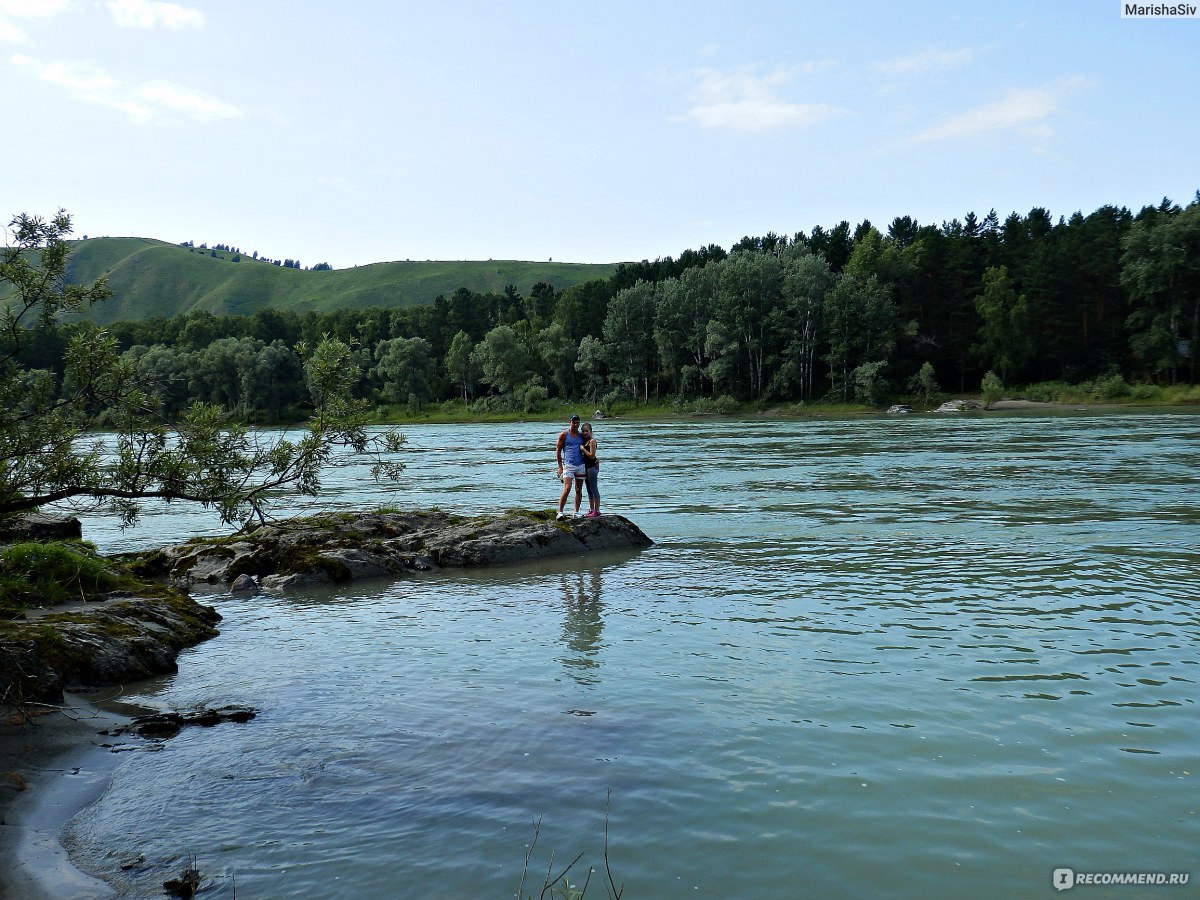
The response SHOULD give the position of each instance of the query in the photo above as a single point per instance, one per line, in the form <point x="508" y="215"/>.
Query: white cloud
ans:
<point x="141" y="102"/>
<point x="32" y="9"/>
<point x="10" y="31"/>
<point x="742" y="101"/>
<point x="186" y="101"/>
<point x="924" y="63"/>
<point x="153" y="14"/>
<point x="1026" y="110"/>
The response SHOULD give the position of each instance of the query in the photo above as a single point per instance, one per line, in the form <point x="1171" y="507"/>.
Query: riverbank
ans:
<point x="456" y="412"/>
<point x="51" y="768"/>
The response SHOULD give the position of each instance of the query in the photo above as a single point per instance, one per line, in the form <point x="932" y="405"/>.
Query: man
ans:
<point x="570" y="465"/>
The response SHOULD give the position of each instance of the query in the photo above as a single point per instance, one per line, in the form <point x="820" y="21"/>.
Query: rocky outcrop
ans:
<point x="338" y="548"/>
<point x="120" y="639"/>
<point x="138" y="632"/>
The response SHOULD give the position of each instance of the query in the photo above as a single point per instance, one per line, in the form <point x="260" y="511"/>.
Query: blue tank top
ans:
<point x="572" y="456"/>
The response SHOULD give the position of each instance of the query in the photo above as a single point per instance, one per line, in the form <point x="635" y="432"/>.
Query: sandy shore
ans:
<point x="48" y="772"/>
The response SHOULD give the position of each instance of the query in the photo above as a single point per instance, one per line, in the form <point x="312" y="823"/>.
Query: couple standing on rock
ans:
<point x="578" y="462"/>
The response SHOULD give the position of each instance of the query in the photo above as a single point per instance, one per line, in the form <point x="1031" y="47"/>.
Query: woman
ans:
<point x="591" y="462"/>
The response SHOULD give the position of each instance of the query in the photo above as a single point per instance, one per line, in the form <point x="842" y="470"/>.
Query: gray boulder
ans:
<point x="41" y="526"/>
<point x="244" y="584"/>
<point x="334" y="549"/>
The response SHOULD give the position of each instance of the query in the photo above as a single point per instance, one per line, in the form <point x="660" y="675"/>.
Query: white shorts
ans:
<point x="572" y="472"/>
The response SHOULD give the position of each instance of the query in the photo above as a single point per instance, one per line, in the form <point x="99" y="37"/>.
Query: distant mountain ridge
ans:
<point x="155" y="278"/>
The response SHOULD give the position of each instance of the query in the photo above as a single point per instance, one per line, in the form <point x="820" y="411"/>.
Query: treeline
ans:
<point x="236" y="256"/>
<point x="846" y="314"/>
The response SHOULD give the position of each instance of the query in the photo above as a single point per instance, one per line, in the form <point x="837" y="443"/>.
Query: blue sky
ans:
<point x="360" y="132"/>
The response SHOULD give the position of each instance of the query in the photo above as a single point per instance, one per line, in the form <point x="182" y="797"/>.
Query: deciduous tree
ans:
<point x="47" y="454"/>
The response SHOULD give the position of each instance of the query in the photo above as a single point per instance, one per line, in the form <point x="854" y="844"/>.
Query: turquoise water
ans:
<point x="907" y="656"/>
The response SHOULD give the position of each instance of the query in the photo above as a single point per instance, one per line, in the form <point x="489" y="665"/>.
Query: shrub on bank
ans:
<point x="1046" y="392"/>
<point x="1107" y="387"/>
<point x="991" y="389"/>
<point x="37" y="574"/>
<point x="707" y="406"/>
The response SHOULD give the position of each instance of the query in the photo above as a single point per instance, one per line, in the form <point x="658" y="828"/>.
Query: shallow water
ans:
<point x="910" y="656"/>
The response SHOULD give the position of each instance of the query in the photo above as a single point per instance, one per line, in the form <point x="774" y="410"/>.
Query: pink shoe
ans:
<point x="592" y="514"/>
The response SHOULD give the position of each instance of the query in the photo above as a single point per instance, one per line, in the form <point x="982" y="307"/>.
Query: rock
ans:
<point x="187" y="884"/>
<point x="41" y="526"/>
<point x="599" y="414"/>
<point x="297" y="580"/>
<point x="335" y="549"/>
<point x="124" y="638"/>
<point x="244" y="584"/>
<point x="167" y="725"/>
<point x="957" y="406"/>
<point x="899" y="408"/>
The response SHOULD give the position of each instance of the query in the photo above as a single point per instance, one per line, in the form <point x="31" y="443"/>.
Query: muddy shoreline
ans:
<point x="53" y="767"/>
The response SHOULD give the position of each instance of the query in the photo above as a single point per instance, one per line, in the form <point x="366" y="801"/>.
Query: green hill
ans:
<point x="154" y="278"/>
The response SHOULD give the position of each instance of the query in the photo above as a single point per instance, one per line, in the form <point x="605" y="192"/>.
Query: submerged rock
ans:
<point x="899" y="408"/>
<point x="168" y="724"/>
<point x="349" y="546"/>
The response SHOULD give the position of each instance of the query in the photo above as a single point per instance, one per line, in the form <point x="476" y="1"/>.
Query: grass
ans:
<point x="155" y="278"/>
<point x="43" y="574"/>
<point x="1109" y="389"/>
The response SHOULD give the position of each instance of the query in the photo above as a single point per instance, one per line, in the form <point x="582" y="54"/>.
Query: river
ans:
<point x="909" y="656"/>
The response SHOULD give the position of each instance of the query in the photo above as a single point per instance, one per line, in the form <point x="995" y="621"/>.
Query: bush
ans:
<point x="613" y="398"/>
<point x="531" y="396"/>
<point x="528" y="398"/>
<point x="1144" y="391"/>
<point x="923" y="386"/>
<point x="991" y="389"/>
<point x="1109" y="387"/>
<point x="1046" y="392"/>
<point x="707" y="406"/>
<point x="496" y="403"/>
<point x="868" y="383"/>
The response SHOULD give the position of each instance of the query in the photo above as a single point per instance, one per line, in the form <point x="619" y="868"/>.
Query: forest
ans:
<point x="844" y="315"/>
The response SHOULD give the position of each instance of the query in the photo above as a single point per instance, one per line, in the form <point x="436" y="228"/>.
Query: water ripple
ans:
<point x="860" y="646"/>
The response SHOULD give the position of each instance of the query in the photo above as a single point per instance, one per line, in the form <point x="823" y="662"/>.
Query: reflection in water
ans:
<point x="583" y="623"/>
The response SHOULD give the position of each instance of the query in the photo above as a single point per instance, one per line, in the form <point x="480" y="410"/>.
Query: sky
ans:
<point x="362" y="132"/>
